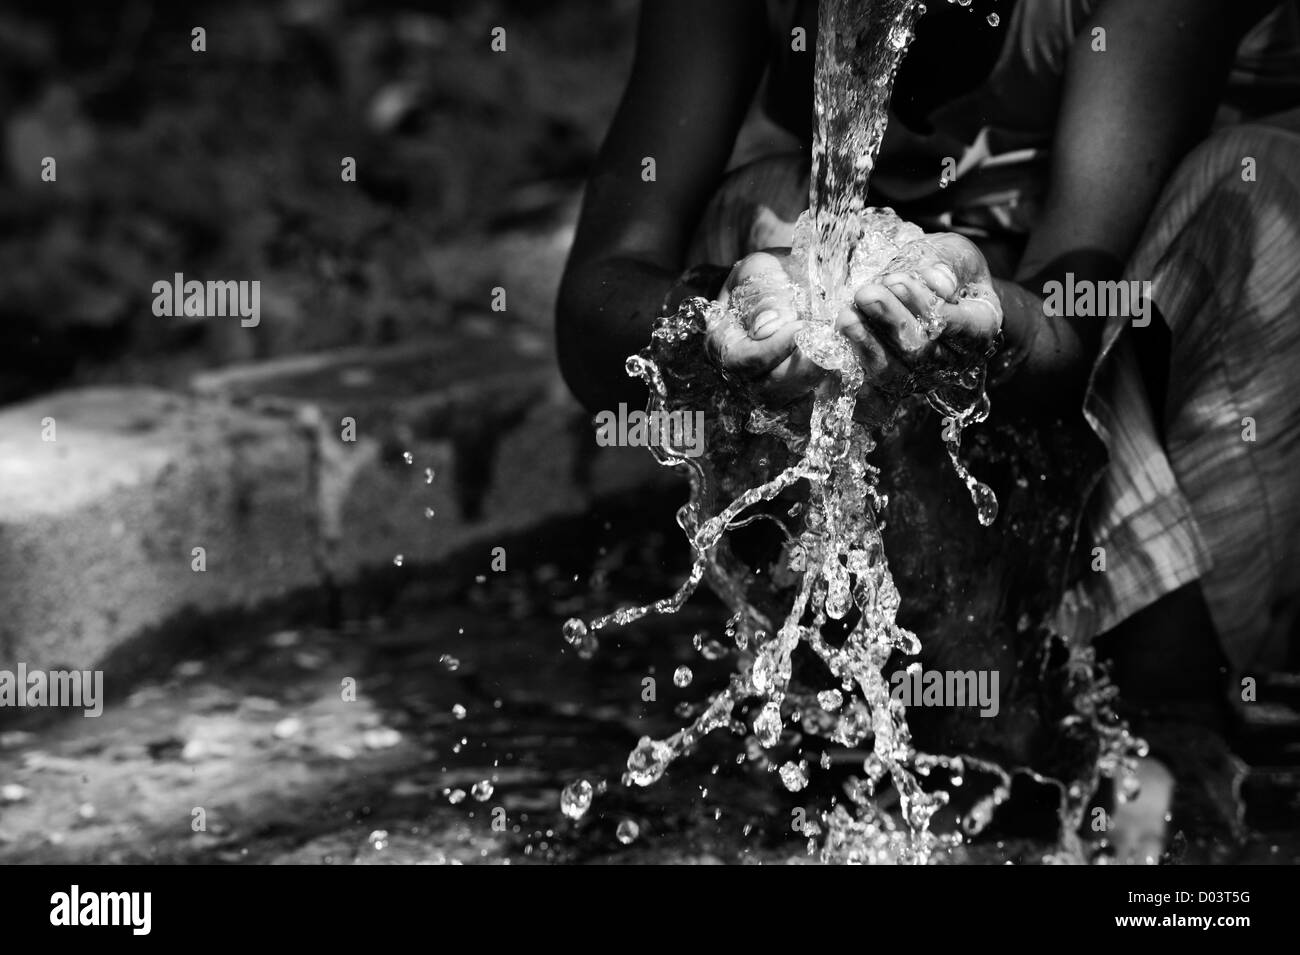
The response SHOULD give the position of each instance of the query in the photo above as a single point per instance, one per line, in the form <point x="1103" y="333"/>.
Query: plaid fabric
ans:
<point x="1220" y="501"/>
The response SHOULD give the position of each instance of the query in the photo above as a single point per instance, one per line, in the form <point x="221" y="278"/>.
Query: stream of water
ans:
<point x="830" y="593"/>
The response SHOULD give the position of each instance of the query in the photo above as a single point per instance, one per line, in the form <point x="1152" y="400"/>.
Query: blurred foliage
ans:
<point x="226" y="165"/>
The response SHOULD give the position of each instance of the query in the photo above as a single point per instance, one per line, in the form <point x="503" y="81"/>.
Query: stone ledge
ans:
<point x="507" y="445"/>
<point x="98" y="525"/>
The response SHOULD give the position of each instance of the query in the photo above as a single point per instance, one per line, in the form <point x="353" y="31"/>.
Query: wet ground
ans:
<point x="441" y="731"/>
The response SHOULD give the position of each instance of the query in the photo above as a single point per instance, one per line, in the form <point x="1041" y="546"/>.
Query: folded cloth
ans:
<point x="1219" y="501"/>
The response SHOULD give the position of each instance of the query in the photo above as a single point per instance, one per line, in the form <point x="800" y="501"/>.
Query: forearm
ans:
<point x="1126" y="120"/>
<point x="606" y="312"/>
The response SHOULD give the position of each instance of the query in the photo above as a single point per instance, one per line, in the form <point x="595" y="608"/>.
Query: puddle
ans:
<point x="251" y="753"/>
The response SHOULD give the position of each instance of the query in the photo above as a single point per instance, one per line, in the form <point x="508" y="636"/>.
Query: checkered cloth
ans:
<point x="1220" y="501"/>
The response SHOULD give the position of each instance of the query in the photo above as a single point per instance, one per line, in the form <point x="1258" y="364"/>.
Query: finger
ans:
<point x="941" y="279"/>
<point x="915" y="293"/>
<point x="760" y="313"/>
<point x="891" y="321"/>
<point x="878" y="363"/>
<point x="748" y="358"/>
<point x="960" y="254"/>
<point x="761" y="294"/>
<point x="756" y="265"/>
<point x="769" y="320"/>
<point x="971" y="322"/>
<point x="955" y="252"/>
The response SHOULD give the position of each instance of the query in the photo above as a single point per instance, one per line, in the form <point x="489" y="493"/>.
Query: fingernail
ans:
<point x="899" y="289"/>
<point x="764" y="321"/>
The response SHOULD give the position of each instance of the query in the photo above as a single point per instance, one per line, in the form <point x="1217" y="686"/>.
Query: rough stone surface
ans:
<point x="507" y="445"/>
<point x="98" y="526"/>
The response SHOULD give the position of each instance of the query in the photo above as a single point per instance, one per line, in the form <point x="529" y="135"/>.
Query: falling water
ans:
<point x="834" y="556"/>
<point x="860" y="44"/>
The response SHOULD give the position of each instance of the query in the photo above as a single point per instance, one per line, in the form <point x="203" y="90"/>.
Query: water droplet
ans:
<point x="449" y="662"/>
<point x="830" y="700"/>
<point x="682" y="676"/>
<point x="397" y="561"/>
<point x="482" y="790"/>
<point x="994" y="19"/>
<point x="713" y="650"/>
<point x="767" y="726"/>
<point x="378" y="839"/>
<point x="428" y="475"/>
<point x="458" y="711"/>
<point x="574" y="631"/>
<point x="456" y="796"/>
<point x="794" y="777"/>
<point x="575" y="799"/>
<point x="647" y="762"/>
<point x="986" y="504"/>
<point x="1130" y="787"/>
<point x="628" y="831"/>
<point x="429" y="513"/>
<point x="408" y="457"/>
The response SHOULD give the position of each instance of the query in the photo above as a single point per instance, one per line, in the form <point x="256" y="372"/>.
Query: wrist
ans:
<point x="1022" y="323"/>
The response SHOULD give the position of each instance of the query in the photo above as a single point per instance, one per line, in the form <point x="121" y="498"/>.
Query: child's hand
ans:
<point x="761" y="349"/>
<point x="935" y="309"/>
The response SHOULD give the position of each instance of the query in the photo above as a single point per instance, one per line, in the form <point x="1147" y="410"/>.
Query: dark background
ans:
<point x="225" y="165"/>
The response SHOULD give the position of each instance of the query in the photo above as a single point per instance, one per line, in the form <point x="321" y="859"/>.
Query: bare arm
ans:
<point x="696" y="68"/>
<point x="1128" y="116"/>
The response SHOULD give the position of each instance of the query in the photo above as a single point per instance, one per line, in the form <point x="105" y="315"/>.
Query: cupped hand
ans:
<point x="754" y="340"/>
<point x="933" y="311"/>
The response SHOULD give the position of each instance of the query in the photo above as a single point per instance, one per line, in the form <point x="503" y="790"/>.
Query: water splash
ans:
<point x="575" y="800"/>
<point x="833" y="561"/>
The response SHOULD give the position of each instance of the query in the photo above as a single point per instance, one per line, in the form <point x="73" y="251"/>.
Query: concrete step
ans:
<point x="289" y="474"/>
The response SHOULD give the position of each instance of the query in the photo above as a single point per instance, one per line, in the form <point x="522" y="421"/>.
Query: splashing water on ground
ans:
<point x="832" y="566"/>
